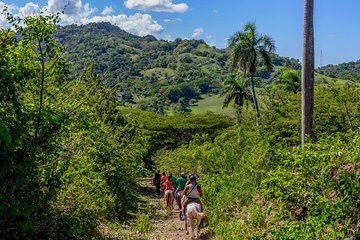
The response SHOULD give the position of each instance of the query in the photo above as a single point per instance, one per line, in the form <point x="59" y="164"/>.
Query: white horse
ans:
<point x="193" y="214"/>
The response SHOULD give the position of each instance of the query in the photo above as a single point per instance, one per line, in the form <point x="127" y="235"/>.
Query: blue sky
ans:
<point x="337" y="23"/>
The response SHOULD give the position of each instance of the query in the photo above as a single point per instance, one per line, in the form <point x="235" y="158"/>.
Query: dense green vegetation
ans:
<point x="74" y="141"/>
<point x="348" y="71"/>
<point x="69" y="155"/>
<point x="63" y="144"/>
<point x="259" y="184"/>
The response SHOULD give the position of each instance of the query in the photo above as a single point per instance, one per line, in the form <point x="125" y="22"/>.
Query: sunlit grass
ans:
<point x="213" y="104"/>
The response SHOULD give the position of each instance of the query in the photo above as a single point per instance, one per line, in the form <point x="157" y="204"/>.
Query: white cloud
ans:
<point x="209" y="37"/>
<point x="172" y="20"/>
<point x="197" y="32"/>
<point x="30" y="8"/>
<point x="11" y="7"/>
<point x="75" y="12"/>
<point x="167" y="37"/>
<point x="3" y="21"/>
<point x="156" y="5"/>
<point x="70" y="7"/>
<point x="138" y="24"/>
<point x="107" y="10"/>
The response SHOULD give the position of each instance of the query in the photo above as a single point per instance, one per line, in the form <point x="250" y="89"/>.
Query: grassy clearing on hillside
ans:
<point x="319" y="78"/>
<point x="213" y="104"/>
<point x="158" y="71"/>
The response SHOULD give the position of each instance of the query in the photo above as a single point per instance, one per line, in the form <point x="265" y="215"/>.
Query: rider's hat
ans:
<point x="192" y="177"/>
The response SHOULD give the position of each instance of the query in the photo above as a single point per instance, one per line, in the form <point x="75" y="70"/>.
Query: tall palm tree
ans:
<point x="247" y="48"/>
<point x="235" y="90"/>
<point x="307" y="76"/>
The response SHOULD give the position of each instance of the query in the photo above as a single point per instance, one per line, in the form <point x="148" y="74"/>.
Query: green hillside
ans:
<point x="169" y="77"/>
<point x="348" y="71"/>
<point x="144" y="66"/>
<point x="154" y="74"/>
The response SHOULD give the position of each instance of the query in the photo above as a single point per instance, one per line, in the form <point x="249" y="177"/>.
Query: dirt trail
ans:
<point x="167" y="225"/>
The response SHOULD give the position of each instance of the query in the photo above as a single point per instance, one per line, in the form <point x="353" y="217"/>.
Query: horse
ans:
<point x="169" y="200"/>
<point x="157" y="184"/>
<point x="178" y="198"/>
<point x="193" y="213"/>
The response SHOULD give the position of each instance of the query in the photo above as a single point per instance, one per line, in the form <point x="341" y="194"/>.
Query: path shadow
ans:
<point x="205" y="236"/>
<point x="145" y="188"/>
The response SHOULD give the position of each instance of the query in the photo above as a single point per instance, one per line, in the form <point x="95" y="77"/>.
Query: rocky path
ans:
<point x="166" y="225"/>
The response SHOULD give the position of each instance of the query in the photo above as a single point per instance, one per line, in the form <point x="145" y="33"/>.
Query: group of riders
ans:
<point x="183" y="189"/>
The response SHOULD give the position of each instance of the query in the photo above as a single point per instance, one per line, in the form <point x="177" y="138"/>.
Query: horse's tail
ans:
<point x="201" y="215"/>
<point x="168" y="199"/>
<point x="197" y="214"/>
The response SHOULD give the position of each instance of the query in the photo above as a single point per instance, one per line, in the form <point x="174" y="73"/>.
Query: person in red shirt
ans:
<point x="163" y="180"/>
<point x="168" y="185"/>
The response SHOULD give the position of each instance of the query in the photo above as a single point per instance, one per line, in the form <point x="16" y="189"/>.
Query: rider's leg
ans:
<point x="184" y="206"/>
<point x="201" y="205"/>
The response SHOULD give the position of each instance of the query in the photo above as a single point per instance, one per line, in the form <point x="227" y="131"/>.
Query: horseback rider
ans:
<point x="192" y="192"/>
<point x="157" y="181"/>
<point x="168" y="185"/>
<point x="173" y="180"/>
<point x="180" y="183"/>
<point x="163" y="180"/>
<point x="169" y="194"/>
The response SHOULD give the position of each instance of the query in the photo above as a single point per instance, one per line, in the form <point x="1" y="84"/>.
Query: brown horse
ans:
<point x="178" y="198"/>
<point x="169" y="200"/>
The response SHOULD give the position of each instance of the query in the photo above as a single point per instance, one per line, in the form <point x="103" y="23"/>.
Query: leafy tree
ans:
<point x="31" y="72"/>
<point x="235" y="91"/>
<point x="182" y="106"/>
<point x="247" y="47"/>
<point x="51" y="70"/>
<point x="307" y="76"/>
<point x="289" y="80"/>
<point x="153" y="104"/>
<point x="343" y="95"/>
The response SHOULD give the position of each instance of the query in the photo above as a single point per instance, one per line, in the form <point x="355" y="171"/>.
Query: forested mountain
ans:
<point x="348" y="71"/>
<point x="148" y="71"/>
<point x="145" y="66"/>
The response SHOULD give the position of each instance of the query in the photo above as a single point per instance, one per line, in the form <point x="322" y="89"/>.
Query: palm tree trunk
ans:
<point x="238" y="113"/>
<point x="307" y="76"/>
<point x="254" y="98"/>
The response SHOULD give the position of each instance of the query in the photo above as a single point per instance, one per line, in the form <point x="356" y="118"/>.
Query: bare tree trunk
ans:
<point x="42" y="85"/>
<point x="307" y="76"/>
<point x="42" y="78"/>
<point x="348" y="116"/>
<point x="254" y="98"/>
